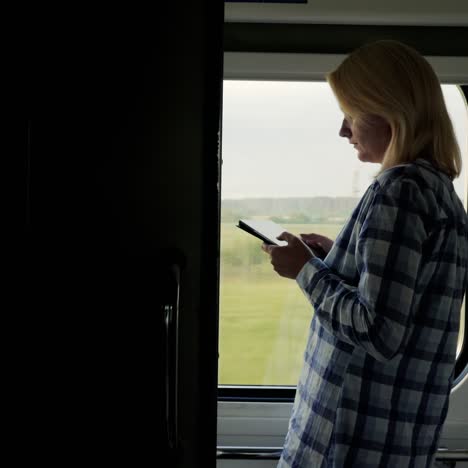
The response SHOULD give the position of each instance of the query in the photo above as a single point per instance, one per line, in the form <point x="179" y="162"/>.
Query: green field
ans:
<point x="264" y="319"/>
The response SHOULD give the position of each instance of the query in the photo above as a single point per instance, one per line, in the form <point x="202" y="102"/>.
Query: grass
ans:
<point x="264" y="319"/>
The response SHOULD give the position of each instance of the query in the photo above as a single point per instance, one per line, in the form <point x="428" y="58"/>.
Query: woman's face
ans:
<point x="370" y="135"/>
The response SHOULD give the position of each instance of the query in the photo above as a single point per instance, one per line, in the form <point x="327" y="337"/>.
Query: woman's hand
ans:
<point x="320" y="245"/>
<point x="288" y="261"/>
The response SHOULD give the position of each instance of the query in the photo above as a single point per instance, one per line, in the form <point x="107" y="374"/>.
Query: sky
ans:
<point x="280" y="139"/>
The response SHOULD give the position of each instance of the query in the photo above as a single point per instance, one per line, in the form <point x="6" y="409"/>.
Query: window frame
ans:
<point x="313" y="67"/>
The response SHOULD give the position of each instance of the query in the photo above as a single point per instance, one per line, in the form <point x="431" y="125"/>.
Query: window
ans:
<point x="283" y="160"/>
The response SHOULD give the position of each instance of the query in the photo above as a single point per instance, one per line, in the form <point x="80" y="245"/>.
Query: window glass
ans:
<point x="283" y="160"/>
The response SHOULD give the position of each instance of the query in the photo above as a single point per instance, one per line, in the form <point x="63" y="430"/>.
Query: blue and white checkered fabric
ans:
<point x="379" y="360"/>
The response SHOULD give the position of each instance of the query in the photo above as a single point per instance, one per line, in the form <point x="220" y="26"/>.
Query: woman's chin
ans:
<point x="366" y="157"/>
<point x="361" y="156"/>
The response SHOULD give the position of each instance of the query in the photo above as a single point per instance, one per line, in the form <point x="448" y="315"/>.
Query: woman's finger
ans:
<point x="268" y="248"/>
<point x="286" y="236"/>
<point x="311" y="237"/>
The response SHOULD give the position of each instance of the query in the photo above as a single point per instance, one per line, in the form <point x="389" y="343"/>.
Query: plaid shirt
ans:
<point x="379" y="360"/>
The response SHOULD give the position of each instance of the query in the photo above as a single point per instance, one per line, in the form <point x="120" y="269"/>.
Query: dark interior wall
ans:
<point x="341" y="38"/>
<point x="121" y="114"/>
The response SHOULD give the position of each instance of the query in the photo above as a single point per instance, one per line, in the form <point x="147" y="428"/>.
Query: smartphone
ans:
<point x="267" y="231"/>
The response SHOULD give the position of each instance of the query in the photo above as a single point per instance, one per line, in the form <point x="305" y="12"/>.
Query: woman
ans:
<point x="380" y="356"/>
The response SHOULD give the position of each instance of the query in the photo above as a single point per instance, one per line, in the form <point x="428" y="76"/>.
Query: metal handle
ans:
<point x="274" y="453"/>
<point x="249" y="453"/>
<point x="170" y="310"/>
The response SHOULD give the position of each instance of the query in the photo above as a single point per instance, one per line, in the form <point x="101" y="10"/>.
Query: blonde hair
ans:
<point x="391" y="80"/>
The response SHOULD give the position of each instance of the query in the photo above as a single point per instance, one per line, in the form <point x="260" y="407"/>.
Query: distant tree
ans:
<point x="294" y="218"/>
<point x="277" y="219"/>
<point x="230" y="216"/>
<point x="299" y="218"/>
<point x="255" y="254"/>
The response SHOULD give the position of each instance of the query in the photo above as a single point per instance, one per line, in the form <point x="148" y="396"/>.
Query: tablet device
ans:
<point x="267" y="231"/>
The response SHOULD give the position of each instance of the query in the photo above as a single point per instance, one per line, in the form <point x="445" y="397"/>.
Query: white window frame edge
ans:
<point x="314" y="67"/>
<point x="263" y="423"/>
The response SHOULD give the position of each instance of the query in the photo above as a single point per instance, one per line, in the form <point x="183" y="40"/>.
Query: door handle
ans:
<point x="170" y="310"/>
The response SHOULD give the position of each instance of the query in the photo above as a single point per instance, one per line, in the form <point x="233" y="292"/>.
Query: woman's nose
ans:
<point x="345" y="131"/>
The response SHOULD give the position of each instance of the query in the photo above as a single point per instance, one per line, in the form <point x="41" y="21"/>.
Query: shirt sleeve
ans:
<point x="375" y="315"/>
